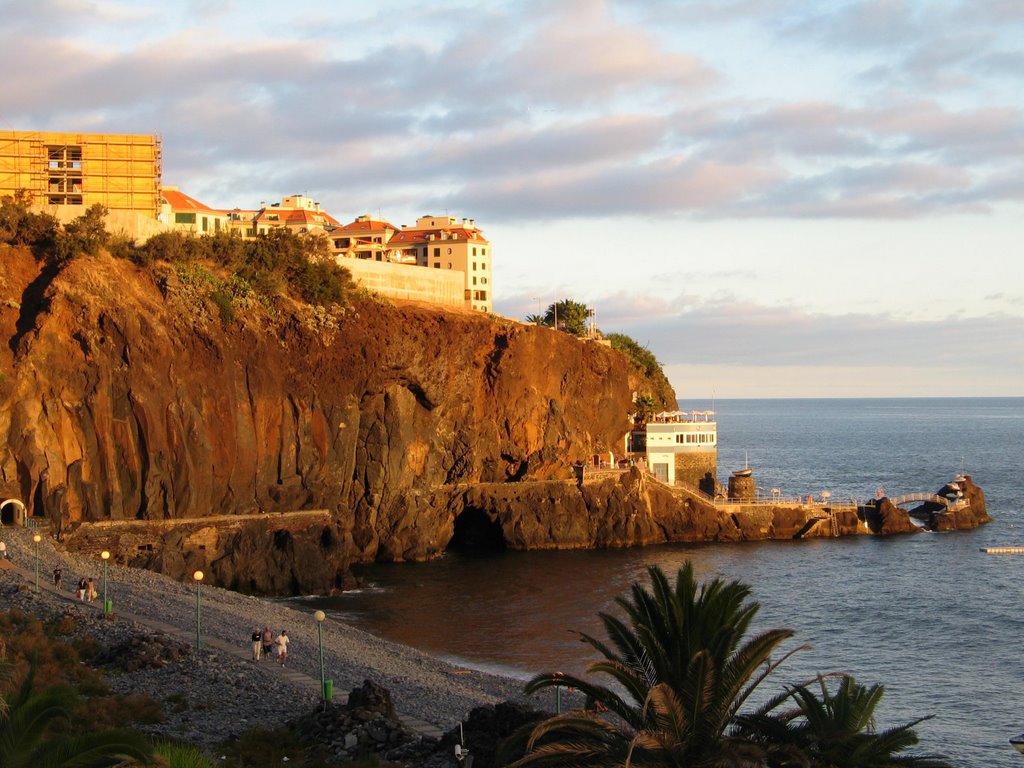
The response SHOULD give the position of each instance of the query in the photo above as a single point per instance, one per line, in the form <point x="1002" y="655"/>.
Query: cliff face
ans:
<point x="137" y="421"/>
<point x="125" y="397"/>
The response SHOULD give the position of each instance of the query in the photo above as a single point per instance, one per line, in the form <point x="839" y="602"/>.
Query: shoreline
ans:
<point x="422" y="687"/>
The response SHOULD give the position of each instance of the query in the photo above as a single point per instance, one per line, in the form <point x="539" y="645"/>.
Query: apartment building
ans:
<point x="366" y="238"/>
<point x="186" y="214"/>
<point x="445" y="242"/>
<point x="298" y="213"/>
<point x="78" y="170"/>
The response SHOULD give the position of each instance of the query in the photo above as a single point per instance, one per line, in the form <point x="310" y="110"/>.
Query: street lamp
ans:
<point x="37" y="538"/>
<point x="198" y="578"/>
<point x="320" y="616"/>
<point x="107" y="607"/>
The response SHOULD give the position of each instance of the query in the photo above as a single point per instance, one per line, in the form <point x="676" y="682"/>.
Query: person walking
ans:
<point x="257" y="644"/>
<point x="282" y="647"/>
<point x="268" y="641"/>
<point x="83" y="586"/>
<point x="3" y="551"/>
<point x="58" y="577"/>
<point x="90" y="587"/>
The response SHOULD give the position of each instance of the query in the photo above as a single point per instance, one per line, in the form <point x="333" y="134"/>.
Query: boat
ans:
<point x="746" y="471"/>
<point x="1018" y="742"/>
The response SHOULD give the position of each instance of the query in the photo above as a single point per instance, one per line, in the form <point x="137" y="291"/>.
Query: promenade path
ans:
<point x="273" y="671"/>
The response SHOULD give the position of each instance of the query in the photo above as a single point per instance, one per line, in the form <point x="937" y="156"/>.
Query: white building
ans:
<point x="682" y="447"/>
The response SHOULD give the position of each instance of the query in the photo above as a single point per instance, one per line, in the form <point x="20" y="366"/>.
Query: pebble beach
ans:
<point x="220" y="691"/>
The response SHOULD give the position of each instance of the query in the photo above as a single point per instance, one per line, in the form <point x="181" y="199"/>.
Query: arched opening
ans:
<point x="475" y="532"/>
<point x="12" y="512"/>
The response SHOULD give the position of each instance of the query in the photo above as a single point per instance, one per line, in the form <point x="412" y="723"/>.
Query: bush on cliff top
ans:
<point x="641" y="358"/>
<point x="269" y="264"/>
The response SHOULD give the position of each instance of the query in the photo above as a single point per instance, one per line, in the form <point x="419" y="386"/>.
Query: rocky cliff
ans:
<point x="126" y="397"/>
<point x="276" y="450"/>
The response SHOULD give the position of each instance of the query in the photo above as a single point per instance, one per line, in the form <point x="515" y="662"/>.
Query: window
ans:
<point x="483" y="265"/>
<point x="483" y="281"/>
<point x="206" y="224"/>
<point x="437" y="265"/>
<point x="474" y="266"/>
<point x="474" y="281"/>
<point x="437" y="252"/>
<point x="449" y="251"/>
<point x="184" y="218"/>
<point x="468" y="294"/>
<point x="64" y="165"/>
<point x="449" y="265"/>
<point x="216" y="225"/>
<point x="483" y="251"/>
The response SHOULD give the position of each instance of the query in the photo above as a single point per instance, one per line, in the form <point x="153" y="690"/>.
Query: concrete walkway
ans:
<point x="189" y="638"/>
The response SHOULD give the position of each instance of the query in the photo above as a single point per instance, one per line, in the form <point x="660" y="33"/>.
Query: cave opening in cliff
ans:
<point x="475" y="532"/>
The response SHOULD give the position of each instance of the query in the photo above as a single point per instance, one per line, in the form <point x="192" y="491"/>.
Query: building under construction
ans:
<point x="119" y="171"/>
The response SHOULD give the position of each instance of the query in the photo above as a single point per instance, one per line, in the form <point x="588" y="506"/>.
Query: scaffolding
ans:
<point x="119" y="171"/>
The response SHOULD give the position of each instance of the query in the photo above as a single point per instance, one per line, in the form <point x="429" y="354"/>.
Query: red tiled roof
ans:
<point x="367" y="225"/>
<point x="297" y="216"/>
<point x="455" y="233"/>
<point x="179" y="201"/>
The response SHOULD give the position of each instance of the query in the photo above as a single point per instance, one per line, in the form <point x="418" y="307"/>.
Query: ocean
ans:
<point x="930" y="616"/>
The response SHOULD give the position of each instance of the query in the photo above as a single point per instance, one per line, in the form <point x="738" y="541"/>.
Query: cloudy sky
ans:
<point x="779" y="198"/>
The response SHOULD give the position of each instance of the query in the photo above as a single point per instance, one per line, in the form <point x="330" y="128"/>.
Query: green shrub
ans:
<point x="19" y="226"/>
<point x="83" y="236"/>
<point x="321" y="282"/>
<point x="182" y="756"/>
<point x="222" y="301"/>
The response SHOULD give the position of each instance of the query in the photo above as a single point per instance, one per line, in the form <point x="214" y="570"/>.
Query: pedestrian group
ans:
<point x="264" y="643"/>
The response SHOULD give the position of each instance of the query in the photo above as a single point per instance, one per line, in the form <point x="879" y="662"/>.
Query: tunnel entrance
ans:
<point x="475" y="532"/>
<point x="12" y="512"/>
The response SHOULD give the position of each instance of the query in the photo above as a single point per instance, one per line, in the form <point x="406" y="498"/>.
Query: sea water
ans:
<point x="930" y="616"/>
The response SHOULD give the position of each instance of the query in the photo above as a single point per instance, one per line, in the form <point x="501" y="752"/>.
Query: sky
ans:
<point x="778" y="198"/>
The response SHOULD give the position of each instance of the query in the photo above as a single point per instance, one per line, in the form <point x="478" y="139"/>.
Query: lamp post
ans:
<point x="198" y="578"/>
<point x="37" y="538"/>
<point x="320" y="616"/>
<point x="107" y="607"/>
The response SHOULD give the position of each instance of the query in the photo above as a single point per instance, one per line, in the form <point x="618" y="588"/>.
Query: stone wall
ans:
<point x="409" y="282"/>
<point x="692" y="467"/>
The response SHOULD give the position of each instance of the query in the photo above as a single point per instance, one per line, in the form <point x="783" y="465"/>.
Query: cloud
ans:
<point x="531" y="111"/>
<point x="749" y="334"/>
<point x="762" y="344"/>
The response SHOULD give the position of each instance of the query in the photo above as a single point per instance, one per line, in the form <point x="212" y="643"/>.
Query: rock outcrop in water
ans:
<point x="136" y="420"/>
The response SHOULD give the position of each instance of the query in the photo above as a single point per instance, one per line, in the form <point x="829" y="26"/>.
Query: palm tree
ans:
<point x="535" y="319"/>
<point x="836" y="730"/>
<point x="681" y="667"/>
<point x="24" y="741"/>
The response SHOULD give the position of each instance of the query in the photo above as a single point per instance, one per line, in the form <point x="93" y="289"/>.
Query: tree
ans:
<point x="85" y="235"/>
<point x="535" y="319"/>
<point x="643" y="408"/>
<point x="835" y="730"/>
<point x="26" y="741"/>
<point x="18" y="226"/>
<point x="571" y="316"/>
<point x="681" y="667"/>
<point x="644" y="361"/>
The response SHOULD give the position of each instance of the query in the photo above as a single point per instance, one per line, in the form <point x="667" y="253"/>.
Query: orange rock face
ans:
<point x="126" y="397"/>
